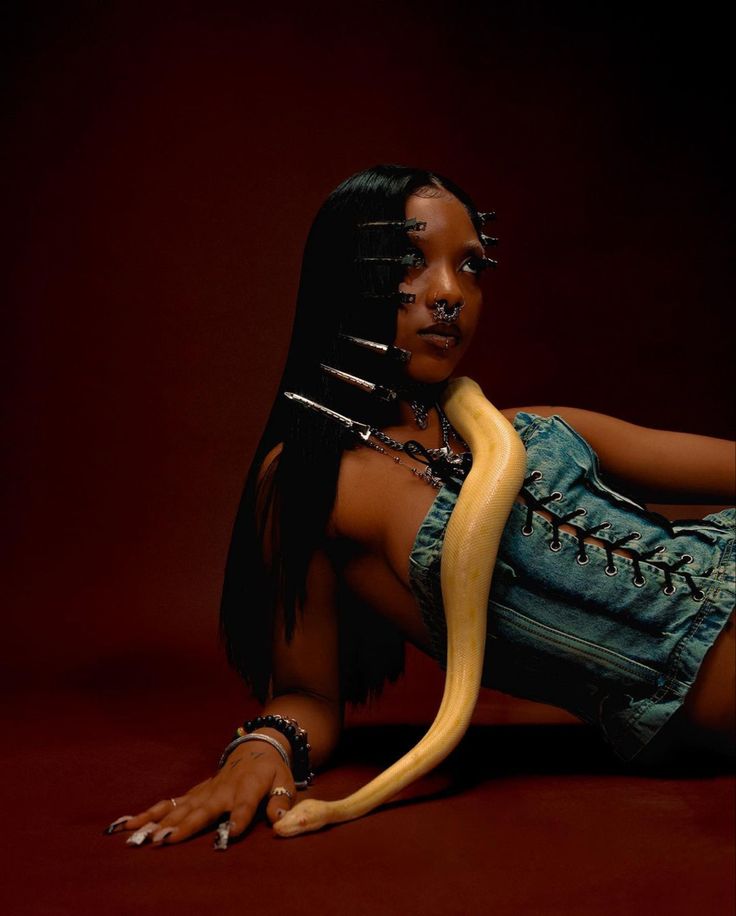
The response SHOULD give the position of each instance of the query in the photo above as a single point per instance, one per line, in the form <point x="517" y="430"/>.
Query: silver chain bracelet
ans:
<point x="253" y="737"/>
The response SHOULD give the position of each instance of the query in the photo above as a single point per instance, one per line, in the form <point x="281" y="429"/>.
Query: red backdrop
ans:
<point x="164" y="164"/>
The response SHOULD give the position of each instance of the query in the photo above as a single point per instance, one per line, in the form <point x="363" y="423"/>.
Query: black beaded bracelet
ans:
<point x="297" y="738"/>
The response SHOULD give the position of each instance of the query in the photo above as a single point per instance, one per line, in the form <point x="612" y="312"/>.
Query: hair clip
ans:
<point x="395" y="298"/>
<point x="360" y="429"/>
<point x="411" y="259"/>
<point x="406" y="225"/>
<point x="395" y="353"/>
<point x="486" y="216"/>
<point x="385" y="394"/>
<point x="487" y="240"/>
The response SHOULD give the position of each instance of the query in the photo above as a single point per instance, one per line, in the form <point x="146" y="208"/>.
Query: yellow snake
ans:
<point x="468" y="557"/>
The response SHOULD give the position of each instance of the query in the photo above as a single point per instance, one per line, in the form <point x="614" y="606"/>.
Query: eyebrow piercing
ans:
<point x="385" y="394"/>
<point x="382" y="349"/>
<point x="487" y="240"/>
<point x="406" y="225"/>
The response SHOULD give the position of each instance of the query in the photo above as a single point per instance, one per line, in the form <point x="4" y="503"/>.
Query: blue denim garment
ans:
<point x="615" y="641"/>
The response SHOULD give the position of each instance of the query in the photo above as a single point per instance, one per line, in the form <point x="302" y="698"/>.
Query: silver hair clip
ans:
<point x="395" y="298"/>
<point x="385" y="394"/>
<point x="395" y="353"/>
<point x="487" y="240"/>
<point x="405" y="225"/>
<point x="411" y="259"/>
<point x="443" y="313"/>
<point x="360" y="429"/>
<point x="486" y="216"/>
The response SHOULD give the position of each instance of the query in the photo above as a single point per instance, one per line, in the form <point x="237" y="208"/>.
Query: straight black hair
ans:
<point x="293" y="496"/>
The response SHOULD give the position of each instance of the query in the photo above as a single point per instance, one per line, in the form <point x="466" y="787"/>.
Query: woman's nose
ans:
<point x="446" y="289"/>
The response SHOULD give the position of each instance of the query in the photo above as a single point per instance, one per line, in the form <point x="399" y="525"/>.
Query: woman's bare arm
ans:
<point x="659" y="465"/>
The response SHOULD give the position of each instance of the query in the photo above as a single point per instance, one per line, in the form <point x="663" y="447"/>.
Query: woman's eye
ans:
<point x="475" y="265"/>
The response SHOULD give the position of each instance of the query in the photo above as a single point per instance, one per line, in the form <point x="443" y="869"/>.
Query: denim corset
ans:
<point x="616" y="640"/>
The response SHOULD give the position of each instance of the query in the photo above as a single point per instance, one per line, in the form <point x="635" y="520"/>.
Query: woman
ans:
<point x="597" y="605"/>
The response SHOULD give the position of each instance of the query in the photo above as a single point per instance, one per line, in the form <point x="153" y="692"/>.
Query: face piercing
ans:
<point x="363" y="430"/>
<point x="442" y="312"/>
<point x="487" y="240"/>
<point x="385" y="394"/>
<point x="405" y="225"/>
<point x="382" y="349"/>
<point x="486" y="216"/>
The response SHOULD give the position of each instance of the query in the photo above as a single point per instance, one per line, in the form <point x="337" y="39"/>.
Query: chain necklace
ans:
<point x="453" y="464"/>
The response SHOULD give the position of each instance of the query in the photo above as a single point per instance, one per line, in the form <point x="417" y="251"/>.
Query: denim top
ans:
<point x="573" y="624"/>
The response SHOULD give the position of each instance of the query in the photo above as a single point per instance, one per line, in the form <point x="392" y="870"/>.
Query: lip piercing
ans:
<point x="442" y="312"/>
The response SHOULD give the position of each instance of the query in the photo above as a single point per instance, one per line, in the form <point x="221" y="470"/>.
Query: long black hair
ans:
<point x="337" y="294"/>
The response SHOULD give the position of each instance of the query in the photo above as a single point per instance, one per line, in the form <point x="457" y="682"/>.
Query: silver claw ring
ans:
<point x="443" y="312"/>
<point x="281" y="790"/>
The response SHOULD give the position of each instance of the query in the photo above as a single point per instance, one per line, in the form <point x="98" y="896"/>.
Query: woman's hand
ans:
<point x="251" y="773"/>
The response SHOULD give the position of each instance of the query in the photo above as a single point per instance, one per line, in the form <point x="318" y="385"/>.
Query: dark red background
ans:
<point x="165" y="162"/>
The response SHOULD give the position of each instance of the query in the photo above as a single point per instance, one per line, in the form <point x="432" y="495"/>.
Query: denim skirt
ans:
<point x="617" y="640"/>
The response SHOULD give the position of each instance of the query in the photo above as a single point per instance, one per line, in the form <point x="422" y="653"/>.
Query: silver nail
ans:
<point x="223" y="836"/>
<point x="141" y="835"/>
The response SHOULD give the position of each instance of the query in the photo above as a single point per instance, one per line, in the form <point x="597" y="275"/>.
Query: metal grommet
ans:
<point x="611" y="570"/>
<point x="527" y="530"/>
<point x="686" y="557"/>
<point x="554" y="546"/>
<point x="582" y="559"/>
<point x="698" y="595"/>
<point x="635" y="535"/>
<point x="669" y="589"/>
<point x="639" y="581"/>
<point x="536" y="475"/>
<point x="605" y="526"/>
<point x="581" y="511"/>
<point x="556" y="496"/>
<point x="660" y="549"/>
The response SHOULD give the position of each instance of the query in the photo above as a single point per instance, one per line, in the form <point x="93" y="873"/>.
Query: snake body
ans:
<point x="468" y="558"/>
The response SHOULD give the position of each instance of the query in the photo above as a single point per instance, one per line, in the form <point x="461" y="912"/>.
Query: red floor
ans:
<point x="522" y="819"/>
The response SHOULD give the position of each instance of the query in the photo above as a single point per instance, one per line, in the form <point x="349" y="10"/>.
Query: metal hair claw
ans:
<point x="410" y="259"/>
<point x="394" y="353"/>
<point x="363" y="430"/>
<point x="385" y="394"/>
<point x="395" y="298"/>
<point x="405" y="225"/>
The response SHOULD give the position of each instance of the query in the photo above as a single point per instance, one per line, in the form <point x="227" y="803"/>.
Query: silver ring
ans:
<point x="281" y="790"/>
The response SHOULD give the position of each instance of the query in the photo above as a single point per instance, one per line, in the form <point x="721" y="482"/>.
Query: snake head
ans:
<point x="310" y="814"/>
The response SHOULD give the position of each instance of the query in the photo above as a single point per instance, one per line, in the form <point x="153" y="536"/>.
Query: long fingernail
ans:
<point x="223" y="836"/>
<point x="161" y="835"/>
<point x="115" y="824"/>
<point x="140" y="836"/>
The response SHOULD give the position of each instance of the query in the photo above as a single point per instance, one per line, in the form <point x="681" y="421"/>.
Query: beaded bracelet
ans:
<point x="297" y="738"/>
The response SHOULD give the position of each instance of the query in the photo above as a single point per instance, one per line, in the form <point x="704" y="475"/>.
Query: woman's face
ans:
<point x="451" y="250"/>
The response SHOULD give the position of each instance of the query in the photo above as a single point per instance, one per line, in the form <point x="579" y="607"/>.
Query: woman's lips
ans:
<point x="442" y="336"/>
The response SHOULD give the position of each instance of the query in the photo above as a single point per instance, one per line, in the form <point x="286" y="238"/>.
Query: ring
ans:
<point x="281" y="790"/>
<point x="173" y="801"/>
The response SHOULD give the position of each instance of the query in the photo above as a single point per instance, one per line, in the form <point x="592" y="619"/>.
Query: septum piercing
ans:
<point x="441" y="311"/>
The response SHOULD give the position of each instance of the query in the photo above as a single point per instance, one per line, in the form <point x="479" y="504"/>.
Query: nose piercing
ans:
<point x="442" y="311"/>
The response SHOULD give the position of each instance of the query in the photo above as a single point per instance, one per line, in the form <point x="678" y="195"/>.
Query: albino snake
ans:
<point x="468" y="558"/>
